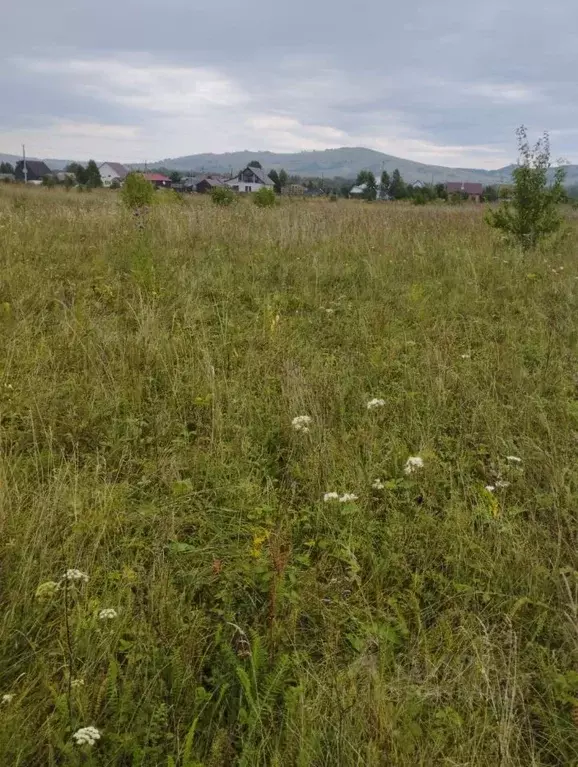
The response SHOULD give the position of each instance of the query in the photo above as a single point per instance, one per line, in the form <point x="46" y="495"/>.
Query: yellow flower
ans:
<point x="258" y="541"/>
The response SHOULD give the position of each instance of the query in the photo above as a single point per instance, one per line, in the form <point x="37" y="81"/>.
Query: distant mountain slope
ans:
<point x="345" y="162"/>
<point x="52" y="164"/>
<point x="11" y="158"/>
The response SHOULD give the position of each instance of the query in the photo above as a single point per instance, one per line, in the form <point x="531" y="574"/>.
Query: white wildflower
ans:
<point x="75" y="575"/>
<point x="330" y="311"/>
<point x="76" y="684"/>
<point x="378" y="485"/>
<point x="86" y="736"/>
<point x="466" y="356"/>
<point x="501" y="483"/>
<point x="413" y="463"/>
<point x="301" y="423"/>
<point x="7" y="698"/>
<point x="375" y="403"/>
<point x="513" y="459"/>
<point x="347" y="498"/>
<point x="490" y="488"/>
<point x="108" y="614"/>
<point x="331" y="497"/>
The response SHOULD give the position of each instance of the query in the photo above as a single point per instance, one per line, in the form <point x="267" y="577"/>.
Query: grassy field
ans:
<point x="148" y="384"/>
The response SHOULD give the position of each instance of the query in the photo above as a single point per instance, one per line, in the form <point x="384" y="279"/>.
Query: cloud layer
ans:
<point x="444" y="83"/>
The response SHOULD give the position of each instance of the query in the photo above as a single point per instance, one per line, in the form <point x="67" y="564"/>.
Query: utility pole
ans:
<point x="24" y="166"/>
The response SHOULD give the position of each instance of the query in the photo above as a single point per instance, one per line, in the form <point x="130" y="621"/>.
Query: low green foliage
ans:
<point x="137" y="192"/>
<point x="265" y="198"/>
<point x="223" y="195"/>
<point x="532" y="212"/>
<point x="230" y="615"/>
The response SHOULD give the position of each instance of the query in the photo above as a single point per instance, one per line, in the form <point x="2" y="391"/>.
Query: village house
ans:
<point x="470" y="189"/>
<point x="159" y="180"/>
<point x="207" y="184"/>
<point x="36" y="170"/>
<point x="111" y="172"/>
<point x="358" y="191"/>
<point x="250" y="179"/>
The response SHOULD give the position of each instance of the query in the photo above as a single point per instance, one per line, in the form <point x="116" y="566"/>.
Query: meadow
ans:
<point x="172" y="571"/>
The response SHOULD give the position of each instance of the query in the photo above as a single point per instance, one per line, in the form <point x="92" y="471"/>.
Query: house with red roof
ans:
<point x="470" y="189"/>
<point x="159" y="180"/>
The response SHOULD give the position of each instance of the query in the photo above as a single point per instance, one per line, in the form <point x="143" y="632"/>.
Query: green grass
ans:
<point x="148" y="380"/>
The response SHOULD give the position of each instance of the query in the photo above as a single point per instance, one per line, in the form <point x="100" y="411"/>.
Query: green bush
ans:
<point x="223" y="195"/>
<point x="532" y="213"/>
<point x="137" y="192"/>
<point x="265" y="198"/>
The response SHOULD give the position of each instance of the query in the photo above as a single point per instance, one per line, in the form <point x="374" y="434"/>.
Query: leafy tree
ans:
<point x="491" y="194"/>
<point x="421" y="195"/>
<point x="366" y="177"/>
<point x="175" y="176"/>
<point x="223" y="195"/>
<point x="265" y="197"/>
<point x="283" y="177"/>
<point x="255" y="164"/>
<point x="384" y="183"/>
<point x="49" y="181"/>
<point x="80" y="172"/>
<point x="532" y="213"/>
<point x="93" y="179"/>
<point x="274" y="176"/>
<point x="398" y="187"/>
<point x="6" y="167"/>
<point x="441" y="191"/>
<point x="137" y="192"/>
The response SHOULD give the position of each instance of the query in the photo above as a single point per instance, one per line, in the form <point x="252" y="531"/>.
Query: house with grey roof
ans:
<point x="36" y="170"/>
<point x="111" y="172"/>
<point x="250" y="179"/>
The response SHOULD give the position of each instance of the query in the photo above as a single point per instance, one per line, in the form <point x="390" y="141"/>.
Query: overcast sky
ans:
<point x="442" y="82"/>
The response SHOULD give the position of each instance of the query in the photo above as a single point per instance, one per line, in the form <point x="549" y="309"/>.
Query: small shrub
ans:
<point x="265" y="198"/>
<point x="332" y="198"/>
<point x="223" y="195"/>
<point x="137" y="192"/>
<point x="532" y="213"/>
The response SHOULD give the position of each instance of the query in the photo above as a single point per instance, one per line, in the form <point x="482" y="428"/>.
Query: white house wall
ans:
<point x="245" y="187"/>
<point x="108" y="175"/>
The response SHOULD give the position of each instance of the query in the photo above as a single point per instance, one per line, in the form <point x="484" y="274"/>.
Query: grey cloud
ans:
<point x="447" y="73"/>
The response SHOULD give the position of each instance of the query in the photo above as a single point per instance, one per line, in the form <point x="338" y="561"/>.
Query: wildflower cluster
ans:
<point x="301" y="423"/>
<point x="86" y="736"/>
<point x="74" y="575"/>
<point x="413" y="463"/>
<point x="108" y="614"/>
<point x="345" y="498"/>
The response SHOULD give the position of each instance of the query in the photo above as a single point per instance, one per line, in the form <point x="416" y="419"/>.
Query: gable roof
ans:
<point x="155" y="177"/>
<point x="259" y="172"/>
<point x="469" y="187"/>
<point x="118" y="168"/>
<point x="211" y="181"/>
<point x="36" y="167"/>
